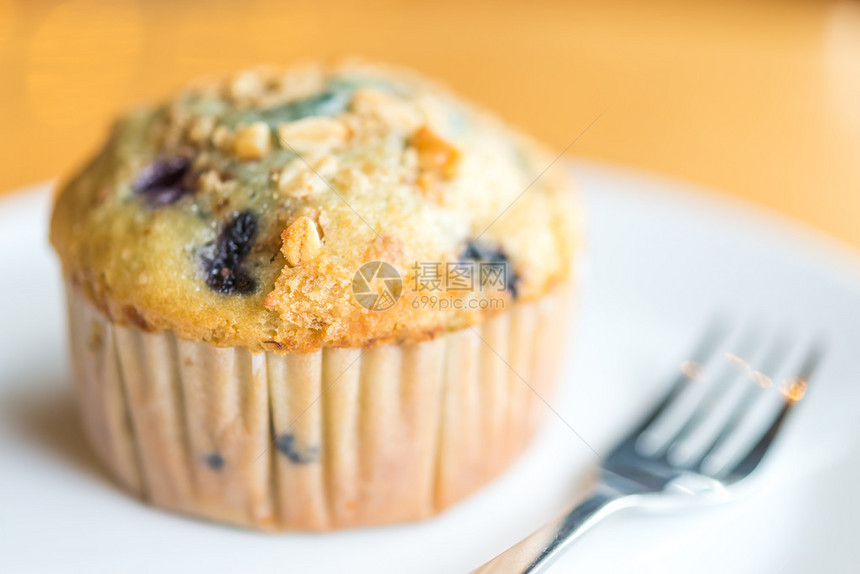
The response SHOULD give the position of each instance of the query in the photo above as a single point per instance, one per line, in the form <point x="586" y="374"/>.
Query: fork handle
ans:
<point x="535" y="553"/>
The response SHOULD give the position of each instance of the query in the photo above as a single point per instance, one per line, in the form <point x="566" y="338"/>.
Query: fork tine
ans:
<point x="703" y="351"/>
<point x="750" y="341"/>
<point x="771" y="362"/>
<point x="755" y="455"/>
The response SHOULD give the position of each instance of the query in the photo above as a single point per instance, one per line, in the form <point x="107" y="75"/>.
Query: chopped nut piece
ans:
<point x="200" y="129"/>
<point x="352" y="181"/>
<point x="314" y="214"/>
<point x="434" y="153"/>
<point x="314" y="134"/>
<point x="210" y="181"/>
<point x="245" y="86"/>
<point x="222" y="138"/>
<point x="301" y="179"/>
<point x="253" y="141"/>
<point x="301" y="241"/>
<point x="287" y="176"/>
<point x="299" y="83"/>
<point x="394" y="112"/>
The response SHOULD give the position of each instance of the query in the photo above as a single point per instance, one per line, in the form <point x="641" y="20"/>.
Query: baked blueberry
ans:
<point x="286" y="444"/>
<point x="214" y="461"/>
<point x="494" y="255"/>
<point x="164" y="181"/>
<point x="225" y="271"/>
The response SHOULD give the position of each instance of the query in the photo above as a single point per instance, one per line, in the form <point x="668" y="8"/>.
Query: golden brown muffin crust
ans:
<point x="240" y="212"/>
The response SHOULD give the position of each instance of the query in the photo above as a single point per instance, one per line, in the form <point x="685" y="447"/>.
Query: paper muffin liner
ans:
<point x="314" y="441"/>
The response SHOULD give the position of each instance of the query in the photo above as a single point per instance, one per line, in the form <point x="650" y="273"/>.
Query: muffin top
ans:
<point x="288" y="210"/>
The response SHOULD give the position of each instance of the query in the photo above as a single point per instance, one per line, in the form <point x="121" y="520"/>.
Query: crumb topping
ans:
<point x="248" y="209"/>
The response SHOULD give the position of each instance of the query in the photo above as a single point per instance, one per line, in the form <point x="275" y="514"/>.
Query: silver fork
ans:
<point x="635" y="476"/>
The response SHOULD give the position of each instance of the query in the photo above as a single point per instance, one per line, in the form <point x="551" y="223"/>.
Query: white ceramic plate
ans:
<point x="663" y="258"/>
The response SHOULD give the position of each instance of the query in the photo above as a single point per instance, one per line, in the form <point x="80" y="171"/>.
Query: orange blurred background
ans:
<point x="757" y="99"/>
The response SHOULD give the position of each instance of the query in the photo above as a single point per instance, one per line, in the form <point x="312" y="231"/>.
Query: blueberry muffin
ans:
<point x="314" y="298"/>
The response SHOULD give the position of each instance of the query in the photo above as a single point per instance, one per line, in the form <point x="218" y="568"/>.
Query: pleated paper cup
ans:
<point x="314" y="441"/>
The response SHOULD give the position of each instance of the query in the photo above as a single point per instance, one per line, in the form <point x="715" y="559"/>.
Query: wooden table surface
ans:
<point x="756" y="99"/>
